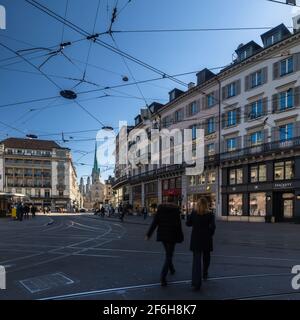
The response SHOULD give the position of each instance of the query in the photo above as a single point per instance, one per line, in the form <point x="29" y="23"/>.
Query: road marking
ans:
<point x="152" y="285"/>
<point x="46" y="282"/>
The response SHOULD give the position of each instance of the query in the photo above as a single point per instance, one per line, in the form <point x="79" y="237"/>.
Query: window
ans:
<point x="256" y="138"/>
<point x="258" y="204"/>
<point x="47" y="193"/>
<point x="235" y="176"/>
<point x="256" y="109"/>
<point x="194" y="109"/>
<point x="256" y="79"/>
<point x="211" y="125"/>
<point x="272" y="39"/>
<point x="235" y="205"/>
<point x="286" y="132"/>
<point x="231" y="90"/>
<point x="284" y="170"/>
<point x="179" y="115"/>
<point x="258" y="173"/>
<point x="37" y="192"/>
<point x="231" y="118"/>
<point x="194" y="132"/>
<point x="286" y="100"/>
<point x="211" y="149"/>
<point x="210" y="100"/>
<point x="286" y="66"/>
<point x="212" y="177"/>
<point x="231" y="144"/>
<point x="192" y="181"/>
<point x="202" y="179"/>
<point x="60" y="193"/>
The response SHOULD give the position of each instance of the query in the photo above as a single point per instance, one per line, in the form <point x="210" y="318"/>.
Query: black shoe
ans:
<point x="205" y="276"/>
<point x="163" y="282"/>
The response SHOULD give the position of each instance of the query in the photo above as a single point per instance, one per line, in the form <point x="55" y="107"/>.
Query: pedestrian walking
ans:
<point x="121" y="212"/>
<point x="203" y="226"/>
<point x="26" y="210"/>
<point x="33" y="211"/>
<point x="102" y="212"/>
<point x="20" y="211"/>
<point x="169" y="232"/>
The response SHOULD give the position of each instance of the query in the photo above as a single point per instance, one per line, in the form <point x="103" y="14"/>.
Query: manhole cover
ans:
<point x="38" y="284"/>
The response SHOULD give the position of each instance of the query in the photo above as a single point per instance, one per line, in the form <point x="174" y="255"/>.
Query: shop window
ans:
<point x="165" y="184"/>
<point x="284" y="170"/>
<point x="236" y="176"/>
<point x="202" y="179"/>
<point x="235" y="204"/>
<point x="192" y="181"/>
<point x="258" y="204"/>
<point x="258" y="173"/>
<point x="212" y="177"/>
<point x="172" y="183"/>
<point x="178" y="183"/>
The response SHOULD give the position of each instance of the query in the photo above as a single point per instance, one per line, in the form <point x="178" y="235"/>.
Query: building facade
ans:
<point x="261" y="131"/>
<point x="41" y="170"/>
<point x="250" y="115"/>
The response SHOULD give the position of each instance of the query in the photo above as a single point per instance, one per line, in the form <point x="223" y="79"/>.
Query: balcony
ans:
<point x="265" y="148"/>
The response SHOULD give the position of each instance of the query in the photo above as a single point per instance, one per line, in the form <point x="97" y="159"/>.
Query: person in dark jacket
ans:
<point x="203" y="223"/>
<point x="169" y="232"/>
<point x="33" y="211"/>
<point x="20" y="211"/>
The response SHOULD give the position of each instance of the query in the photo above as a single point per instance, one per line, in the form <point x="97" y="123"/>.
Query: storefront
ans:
<point x="137" y="198"/>
<point x="171" y="190"/>
<point x="267" y="191"/>
<point x="151" y="196"/>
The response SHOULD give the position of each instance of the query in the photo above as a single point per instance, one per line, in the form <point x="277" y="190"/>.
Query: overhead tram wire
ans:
<point x="124" y="85"/>
<point x="194" y="30"/>
<point x="63" y="27"/>
<point x="83" y="80"/>
<point x="102" y="43"/>
<point x="49" y="79"/>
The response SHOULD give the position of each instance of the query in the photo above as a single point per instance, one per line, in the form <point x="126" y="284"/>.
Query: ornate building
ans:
<point x="94" y="192"/>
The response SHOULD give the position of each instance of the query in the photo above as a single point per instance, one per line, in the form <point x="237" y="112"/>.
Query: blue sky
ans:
<point x="171" y="52"/>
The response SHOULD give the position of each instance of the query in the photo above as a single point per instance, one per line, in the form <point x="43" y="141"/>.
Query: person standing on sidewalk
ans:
<point x="203" y="223"/>
<point x="169" y="232"/>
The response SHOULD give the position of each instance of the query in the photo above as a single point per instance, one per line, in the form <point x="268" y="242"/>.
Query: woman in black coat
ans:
<point x="203" y="223"/>
<point x="169" y="232"/>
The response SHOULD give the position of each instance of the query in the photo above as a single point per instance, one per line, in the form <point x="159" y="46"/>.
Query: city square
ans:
<point x="104" y="259"/>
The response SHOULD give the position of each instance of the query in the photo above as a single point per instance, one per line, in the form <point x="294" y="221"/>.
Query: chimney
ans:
<point x="191" y="85"/>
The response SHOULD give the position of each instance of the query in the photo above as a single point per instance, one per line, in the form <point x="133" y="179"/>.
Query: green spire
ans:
<point x="95" y="159"/>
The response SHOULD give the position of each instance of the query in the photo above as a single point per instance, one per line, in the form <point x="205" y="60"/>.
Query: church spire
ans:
<point x="96" y="170"/>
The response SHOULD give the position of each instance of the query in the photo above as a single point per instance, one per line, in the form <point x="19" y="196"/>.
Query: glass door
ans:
<point x="288" y="205"/>
<point x="288" y="209"/>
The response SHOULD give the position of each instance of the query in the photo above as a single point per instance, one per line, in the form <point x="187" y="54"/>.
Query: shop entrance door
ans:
<point x="283" y="206"/>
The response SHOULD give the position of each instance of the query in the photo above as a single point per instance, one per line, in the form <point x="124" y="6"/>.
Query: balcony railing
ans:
<point x="262" y="149"/>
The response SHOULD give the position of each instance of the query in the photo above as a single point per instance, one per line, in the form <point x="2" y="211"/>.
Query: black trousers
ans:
<point x="197" y="266"/>
<point x="168" y="265"/>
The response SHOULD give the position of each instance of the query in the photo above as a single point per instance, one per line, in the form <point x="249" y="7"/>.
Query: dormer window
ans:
<point x="272" y="39"/>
